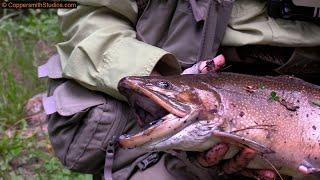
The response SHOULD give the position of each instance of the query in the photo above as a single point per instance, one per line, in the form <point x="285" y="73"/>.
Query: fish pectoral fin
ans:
<point x="235" y="139"/>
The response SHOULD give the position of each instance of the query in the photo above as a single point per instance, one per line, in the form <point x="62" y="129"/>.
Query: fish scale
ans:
<point x="275" y="116"/>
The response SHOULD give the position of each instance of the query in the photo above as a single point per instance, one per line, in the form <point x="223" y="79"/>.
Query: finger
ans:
<point x="217" y="63"/>
<point x="263" y="174"/>
<point x="192" y="70"/>
<point x="214" y="155"/>
<point x="307" y="170"/>
<point x="239" y="161"/>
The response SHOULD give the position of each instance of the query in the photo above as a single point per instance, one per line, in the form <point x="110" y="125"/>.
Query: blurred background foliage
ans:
<point x="27" y="39"/>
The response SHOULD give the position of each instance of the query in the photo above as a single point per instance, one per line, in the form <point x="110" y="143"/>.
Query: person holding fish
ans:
<point x="109" y="40"/>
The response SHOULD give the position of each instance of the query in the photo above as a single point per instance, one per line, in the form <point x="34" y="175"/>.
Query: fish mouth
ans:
<point x="158" y="114"/>
<point x="141" y="95"/>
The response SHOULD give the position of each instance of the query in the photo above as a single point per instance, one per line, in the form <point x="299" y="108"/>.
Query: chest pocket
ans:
<point x="190" y="29"/>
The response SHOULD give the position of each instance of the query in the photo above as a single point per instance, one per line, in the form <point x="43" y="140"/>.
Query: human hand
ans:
<point x="237" y="164"/>
<point x="204" y="67"/>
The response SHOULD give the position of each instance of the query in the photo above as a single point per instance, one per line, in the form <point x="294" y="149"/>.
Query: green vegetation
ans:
<point x="26" y="40"/>
<point x="273" y="96"/>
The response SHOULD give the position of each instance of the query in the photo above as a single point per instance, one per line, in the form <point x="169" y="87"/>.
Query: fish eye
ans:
<point x="163" y="84"/>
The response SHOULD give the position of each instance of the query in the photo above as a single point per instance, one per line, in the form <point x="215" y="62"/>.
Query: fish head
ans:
<point x="174" y="94"/>
<point x="172" y="102"/>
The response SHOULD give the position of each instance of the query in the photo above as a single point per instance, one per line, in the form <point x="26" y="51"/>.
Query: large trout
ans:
<point x="279" y="117"/>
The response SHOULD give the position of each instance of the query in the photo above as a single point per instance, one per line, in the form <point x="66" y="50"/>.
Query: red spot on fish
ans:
<point x="214" y="111"/>
<point x="250" y="89"/>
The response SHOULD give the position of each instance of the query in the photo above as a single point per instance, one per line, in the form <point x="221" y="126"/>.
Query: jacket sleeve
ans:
<point x="101" y="46"/>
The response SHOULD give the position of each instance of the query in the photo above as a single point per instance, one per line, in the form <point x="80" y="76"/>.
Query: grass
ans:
<point x="25" y="156"/>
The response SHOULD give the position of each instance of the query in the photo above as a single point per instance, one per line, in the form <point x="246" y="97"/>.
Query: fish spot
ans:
<point x="314" y="127"/>
<point x="232" y="121"/>
<point x="241" y="114"/>
<point x="214" y="111"/>
<point x="269" y="135"/>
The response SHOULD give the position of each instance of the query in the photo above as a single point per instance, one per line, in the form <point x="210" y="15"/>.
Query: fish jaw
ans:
<point x="166" y="127"/>
<point x="163" y="97"/>
<point x="195" y="137"/>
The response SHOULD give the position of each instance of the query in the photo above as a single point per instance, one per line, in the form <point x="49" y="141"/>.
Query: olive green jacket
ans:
<point x="101" y="45"/>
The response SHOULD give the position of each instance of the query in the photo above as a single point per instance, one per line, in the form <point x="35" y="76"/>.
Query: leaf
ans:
<point x="274" y="96"/>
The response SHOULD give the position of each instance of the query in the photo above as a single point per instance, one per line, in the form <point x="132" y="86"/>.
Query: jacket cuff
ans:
<point x="133" y="58"/>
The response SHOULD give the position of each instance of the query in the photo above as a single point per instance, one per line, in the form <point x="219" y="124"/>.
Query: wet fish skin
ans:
<point x="274" y="113"/>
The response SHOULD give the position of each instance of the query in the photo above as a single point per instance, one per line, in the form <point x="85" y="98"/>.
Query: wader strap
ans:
<point x="199" y="12"/>
<point x="111" y="148"/>
<point x="218" y="16"/>
<point x="109" y="159"/>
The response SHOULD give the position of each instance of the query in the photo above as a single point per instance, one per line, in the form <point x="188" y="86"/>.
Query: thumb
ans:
<point x="206" y="66"/>
<point x="212" y="65"/>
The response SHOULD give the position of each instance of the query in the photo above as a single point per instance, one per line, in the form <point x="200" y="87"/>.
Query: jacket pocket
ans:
<point x="191" y="30"/>
<point x="170" y="25"/>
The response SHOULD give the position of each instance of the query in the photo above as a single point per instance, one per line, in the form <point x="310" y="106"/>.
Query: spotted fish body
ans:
<point x="277" y="116"/>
